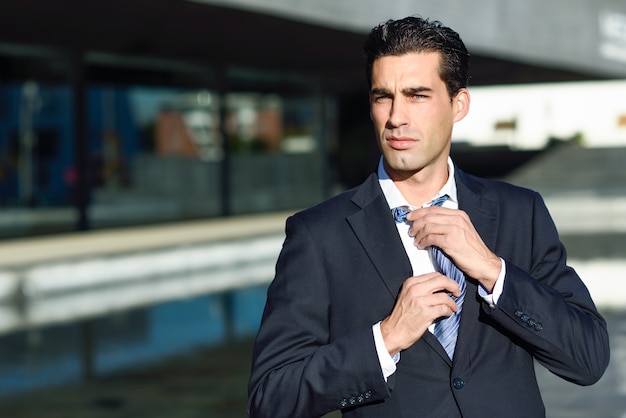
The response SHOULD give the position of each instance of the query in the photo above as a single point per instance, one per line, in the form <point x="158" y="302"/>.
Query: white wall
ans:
<point x="595" y="110"/>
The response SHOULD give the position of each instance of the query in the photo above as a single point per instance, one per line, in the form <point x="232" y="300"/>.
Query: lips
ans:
<point x="400" y="143"/>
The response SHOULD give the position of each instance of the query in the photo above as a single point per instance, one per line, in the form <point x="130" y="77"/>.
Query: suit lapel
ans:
<point x="377" y="233"/>
<point x="375" y="229"/>
<point x="482" y="211"/>
<point x="484" y="215"/>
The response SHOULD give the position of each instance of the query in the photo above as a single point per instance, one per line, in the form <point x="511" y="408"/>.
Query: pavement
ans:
<point x="207" y="383"/>
<point x="212" y="383"/>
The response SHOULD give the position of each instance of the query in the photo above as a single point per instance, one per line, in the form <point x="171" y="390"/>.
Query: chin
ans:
<point x="404" y="167"/>
<point x="402" y="161"/>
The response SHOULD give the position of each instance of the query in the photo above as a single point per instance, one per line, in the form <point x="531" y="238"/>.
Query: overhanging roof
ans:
<point x="124" y="40"/>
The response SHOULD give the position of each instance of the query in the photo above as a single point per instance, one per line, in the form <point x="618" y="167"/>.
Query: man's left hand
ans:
<point x="453" y="232"/>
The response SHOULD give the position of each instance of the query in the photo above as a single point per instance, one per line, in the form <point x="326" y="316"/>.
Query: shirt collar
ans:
<point x="395" y="198"/>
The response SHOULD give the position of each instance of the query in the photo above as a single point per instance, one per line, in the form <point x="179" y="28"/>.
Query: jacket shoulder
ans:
<point x="343" y="204"/>
<point x="496" y="189"/>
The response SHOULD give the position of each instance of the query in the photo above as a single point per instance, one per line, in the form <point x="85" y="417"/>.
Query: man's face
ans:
<point x="413" y="113"/>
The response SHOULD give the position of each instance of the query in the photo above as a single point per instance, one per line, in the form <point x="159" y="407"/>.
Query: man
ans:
<point x="354" y="315"/>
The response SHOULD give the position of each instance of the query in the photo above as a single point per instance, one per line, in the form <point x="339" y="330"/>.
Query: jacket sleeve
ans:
<point x="546" y="306"/>
<point x="298" y="370"/>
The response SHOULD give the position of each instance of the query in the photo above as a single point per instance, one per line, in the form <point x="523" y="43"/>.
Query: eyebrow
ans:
<point x="407" y="91"/>
<point x="416" y="90"/>
<point x="379" y="91"/>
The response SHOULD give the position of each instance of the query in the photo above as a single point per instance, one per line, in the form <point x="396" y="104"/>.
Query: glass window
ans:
<point x="277" y="151"/>
<point x="157" y="152"/>
<point x="36" y="158"/>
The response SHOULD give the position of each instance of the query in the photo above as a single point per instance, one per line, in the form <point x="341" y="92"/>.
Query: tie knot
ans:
<point x="399" y="213"/>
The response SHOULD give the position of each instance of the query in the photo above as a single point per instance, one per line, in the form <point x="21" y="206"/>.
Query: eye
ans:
<point x="417" y="94"/>
<point x="380" y="98"/>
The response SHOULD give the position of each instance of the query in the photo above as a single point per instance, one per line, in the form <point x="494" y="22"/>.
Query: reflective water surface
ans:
<point x="94" y="348"/>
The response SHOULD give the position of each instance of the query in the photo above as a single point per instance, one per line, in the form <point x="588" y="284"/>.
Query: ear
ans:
<point x="461" y="104"/>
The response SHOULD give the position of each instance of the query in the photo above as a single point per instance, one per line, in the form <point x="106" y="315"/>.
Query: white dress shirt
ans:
<point x="421" y="260"/>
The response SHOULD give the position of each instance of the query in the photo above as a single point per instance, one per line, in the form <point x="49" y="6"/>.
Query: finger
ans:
<point x="444" y="298"/>
<point x="433" y="212"/>
<point x="457" y="292"/>
<point x="443" y="306"/>
<point x="452" y="288"/>
<point x="414" y="214"/>
<point x="448" y="236"/>
<point x="434" y="227"/>
<point x="422" y="278"/>
<point x="431" y="235"/>
<point x="431" y="283"/>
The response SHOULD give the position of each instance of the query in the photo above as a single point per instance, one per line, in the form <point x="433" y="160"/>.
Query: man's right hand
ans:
<point x="422" y="300"/>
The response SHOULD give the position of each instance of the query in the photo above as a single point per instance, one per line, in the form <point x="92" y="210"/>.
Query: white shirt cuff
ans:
<point x="387" y="363"/>
<point x="493" y="297"/>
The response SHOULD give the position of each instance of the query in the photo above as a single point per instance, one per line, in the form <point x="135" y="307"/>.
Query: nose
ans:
<point x="397" y="114"/>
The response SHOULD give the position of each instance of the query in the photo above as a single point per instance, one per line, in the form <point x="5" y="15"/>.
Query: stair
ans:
<point x="570" y="169"/>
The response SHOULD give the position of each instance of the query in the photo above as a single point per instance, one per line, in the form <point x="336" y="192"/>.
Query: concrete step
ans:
<point x="569" y="168"/>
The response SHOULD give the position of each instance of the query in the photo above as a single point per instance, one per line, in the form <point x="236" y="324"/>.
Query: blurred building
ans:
<point x="138" y="111"/>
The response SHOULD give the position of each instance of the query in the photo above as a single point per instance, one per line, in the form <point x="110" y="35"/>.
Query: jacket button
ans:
<point x="368" y="394"/>
<point x="458" y="383"/>
<point x="343" y="403"/>
<point x="525" y="318"/>
<point x="519" y="313"/>
<point x="538" y="326"/>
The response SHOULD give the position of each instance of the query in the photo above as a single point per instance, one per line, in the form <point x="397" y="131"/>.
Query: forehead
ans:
<point x="420" y="67"/>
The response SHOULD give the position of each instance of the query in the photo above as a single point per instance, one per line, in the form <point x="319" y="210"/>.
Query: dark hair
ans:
<point x="415" y="34"/>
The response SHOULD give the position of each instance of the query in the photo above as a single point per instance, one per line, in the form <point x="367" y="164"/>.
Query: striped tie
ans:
<point x="446" y="329"/>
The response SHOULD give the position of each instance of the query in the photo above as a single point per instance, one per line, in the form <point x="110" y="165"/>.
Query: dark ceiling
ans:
<point x="176" y="41"/>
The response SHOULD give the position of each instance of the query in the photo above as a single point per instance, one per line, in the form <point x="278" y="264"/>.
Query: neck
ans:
<point x="420" y="187"/>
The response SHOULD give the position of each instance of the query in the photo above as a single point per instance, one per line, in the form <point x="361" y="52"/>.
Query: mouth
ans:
<point x="400" y="143"/>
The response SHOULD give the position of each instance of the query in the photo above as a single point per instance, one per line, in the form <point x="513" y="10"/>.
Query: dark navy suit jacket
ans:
<point x="339" y="272"/>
